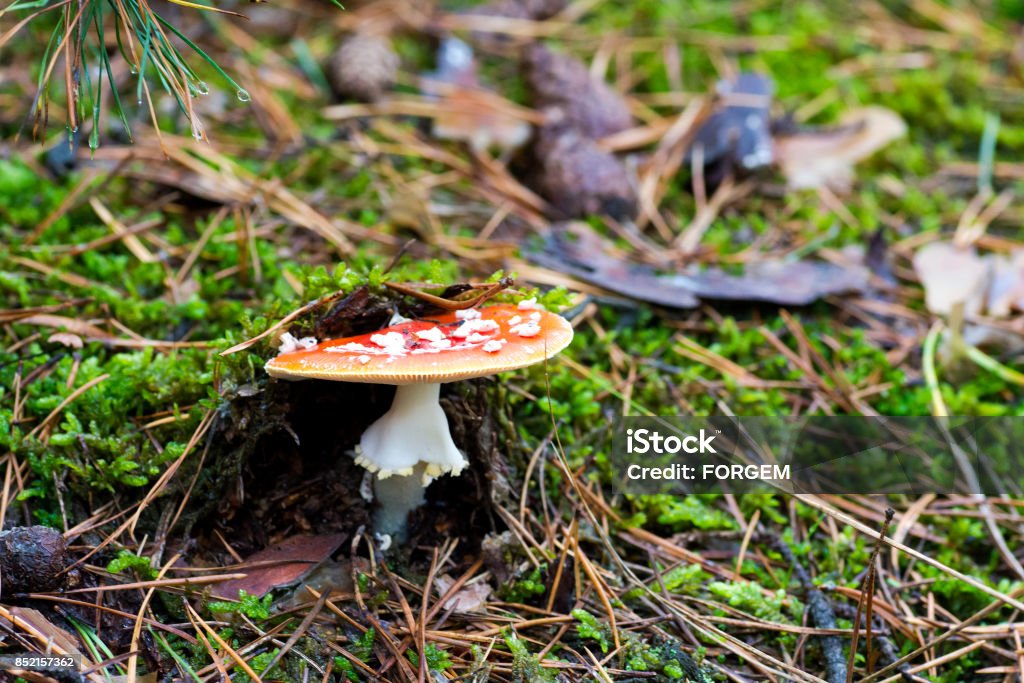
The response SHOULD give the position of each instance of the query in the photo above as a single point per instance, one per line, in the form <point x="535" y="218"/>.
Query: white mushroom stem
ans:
<point x="406" y="449"/>
<point x="396" y="497"/>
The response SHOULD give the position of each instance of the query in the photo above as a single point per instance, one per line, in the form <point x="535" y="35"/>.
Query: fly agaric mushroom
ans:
<point x="410" y="445"/>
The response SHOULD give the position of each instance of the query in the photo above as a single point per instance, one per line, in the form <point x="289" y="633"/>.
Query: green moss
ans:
<point x="682" y="512"/>
<point x="589" y="628"/>
<point x="259" y="664"/>
<point x="437" y="659"/>
<point x="526" y="667"/>
<point x="126" y="560"/>
<point x="526" y="588"/>
<point x="363" y="647"/>
<point x="251" y="606"/>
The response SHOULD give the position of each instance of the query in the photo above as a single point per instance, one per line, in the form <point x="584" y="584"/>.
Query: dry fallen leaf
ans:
<point x="470" y="597"/>
<point x="777" y="281"/>
<point x="576" y="250"/>
<point x="335" y="576"/>
<point x="826" y="157"/>
<point x="473" y="114"/>
<point x="991" y="284"/>
<point x="67" y="339"/>
<point x="952" y="275"/>
<point x="281" y="564"/>
<point x="474" y="119"/>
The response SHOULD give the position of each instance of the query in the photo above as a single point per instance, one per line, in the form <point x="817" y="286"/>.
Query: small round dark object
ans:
<point x="32" y="559"/>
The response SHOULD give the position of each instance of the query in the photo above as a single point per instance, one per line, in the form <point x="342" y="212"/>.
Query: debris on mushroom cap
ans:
<point x="530" y="329"/>
<point x="475" y="325"/>
<point x="414" y="353"/>
<point x="392" y="342"/>
<point x="432" y="335"/>
<point x="590" y="105"/>
<point x="289" y="343"/>
<point x="529" y="305"/>
<point x="494" y="345"/>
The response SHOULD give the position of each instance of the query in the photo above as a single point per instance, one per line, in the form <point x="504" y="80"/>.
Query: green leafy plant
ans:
<point x="346" y="668"/>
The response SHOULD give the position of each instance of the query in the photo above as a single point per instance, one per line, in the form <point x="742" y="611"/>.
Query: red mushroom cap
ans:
<point x="444" y="348"/>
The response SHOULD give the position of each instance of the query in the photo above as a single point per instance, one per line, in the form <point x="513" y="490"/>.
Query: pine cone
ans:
<point x="578" y="177"/>
<point x="562" y="81"/>
<point x="362" y="68"/>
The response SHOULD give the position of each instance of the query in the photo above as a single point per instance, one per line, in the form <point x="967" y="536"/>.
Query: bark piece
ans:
<point x="32" y="559"/>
